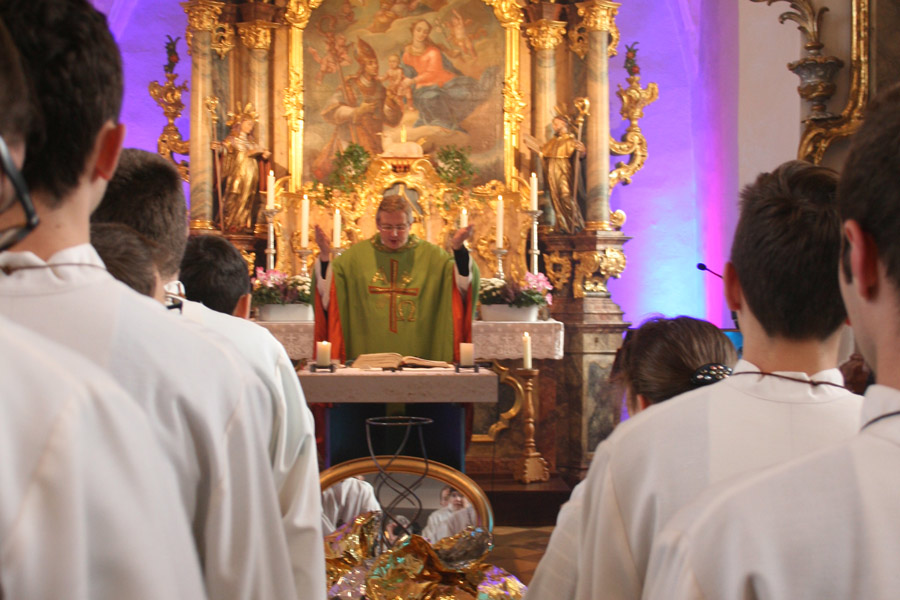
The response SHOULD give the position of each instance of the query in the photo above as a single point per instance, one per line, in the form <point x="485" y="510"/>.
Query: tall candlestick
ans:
<point x="304" y="222"/>
<point x="270" y="190"/>
<point x="534" y="192"/>
<point x="526" y="351"/>
<point x="337" y="229"/>
<point x="323" y="354"/>
<point x="466" y="354"/>
<point x="464" y="218"/>
<point x="499" y="243"/>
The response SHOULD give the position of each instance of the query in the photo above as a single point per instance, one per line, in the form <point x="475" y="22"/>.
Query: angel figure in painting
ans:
<point x="559" y="154"/>
<point x="239" y="173"/>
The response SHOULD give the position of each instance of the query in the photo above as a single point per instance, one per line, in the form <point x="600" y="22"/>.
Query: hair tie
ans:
<point x="710" y="373"/>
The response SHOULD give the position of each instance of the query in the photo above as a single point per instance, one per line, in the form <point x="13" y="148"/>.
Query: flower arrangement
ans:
<point x="535" y="291"/>
<point x="631" y="66"/>
<point x="171" y="54"/>
<point x="275" y="287"/>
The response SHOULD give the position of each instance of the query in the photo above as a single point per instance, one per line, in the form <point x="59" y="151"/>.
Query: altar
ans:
<point x="510" y="404"/>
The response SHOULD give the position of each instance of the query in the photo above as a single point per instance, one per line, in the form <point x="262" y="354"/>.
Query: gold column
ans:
<point x="297" y="15"/>
<point x="203" y="16"/>
<point x="599" y="22"/>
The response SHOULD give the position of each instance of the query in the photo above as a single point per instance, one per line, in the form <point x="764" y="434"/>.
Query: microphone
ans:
<point x="703" y="267"/>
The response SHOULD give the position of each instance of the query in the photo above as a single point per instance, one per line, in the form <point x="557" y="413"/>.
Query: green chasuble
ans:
<point x="398" y="300"/>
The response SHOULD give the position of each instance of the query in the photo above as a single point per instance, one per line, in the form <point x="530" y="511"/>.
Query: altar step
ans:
<point x="519" y="505"/>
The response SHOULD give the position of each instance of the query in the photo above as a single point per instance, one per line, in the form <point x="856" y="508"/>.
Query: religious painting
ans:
<point x="433" y="69"/>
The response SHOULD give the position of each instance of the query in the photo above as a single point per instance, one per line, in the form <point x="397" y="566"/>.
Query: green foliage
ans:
<point x="171" y="54"/>
<point x="350" y="166"/>
<point x="455" y="169"/>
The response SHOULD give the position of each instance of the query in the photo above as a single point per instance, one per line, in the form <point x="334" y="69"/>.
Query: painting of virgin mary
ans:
<point x="441" y="94"/>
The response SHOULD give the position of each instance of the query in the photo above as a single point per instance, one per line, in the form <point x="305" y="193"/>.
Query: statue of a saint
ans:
<point x="239" y="173"/>
<point x="559" y="154"/>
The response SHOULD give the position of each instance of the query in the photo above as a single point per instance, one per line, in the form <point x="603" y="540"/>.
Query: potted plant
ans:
<point x="282" y="297"/>
<point x="503" y="300"/>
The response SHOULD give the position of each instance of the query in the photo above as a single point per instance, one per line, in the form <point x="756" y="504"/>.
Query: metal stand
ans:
<point x="473" y="368"/>
<point x="270" y="245"/>
<point x="531" y="466"/>
<point x="534" y="252"/>
<point x="500" y="253"/>
<point x="404" y="494"/>
<point x="304" y="253"/>
<point x="314" y="368"/>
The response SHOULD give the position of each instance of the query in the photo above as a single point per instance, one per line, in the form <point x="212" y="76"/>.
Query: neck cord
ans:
<point x="811" y="382"/>
<point x="11" y="270"/>
<point x="880" y="417"/>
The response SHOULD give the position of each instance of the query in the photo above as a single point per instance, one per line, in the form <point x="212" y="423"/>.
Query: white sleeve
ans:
<point x="323" y="283"/>
<point x="670" y="575"/>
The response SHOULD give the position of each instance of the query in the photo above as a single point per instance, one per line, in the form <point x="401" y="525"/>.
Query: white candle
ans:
<point x="526" y="351"/>
<point x="534" y="192"/>
<point x="270" y="191"/>
<point x="323" y="354"/>
<point x="464" y="218"/>
<point x="337" y="229"/>
<point x="499" y="222"/>
<point x="304" y="222"/>
<point x="466" y="354"/>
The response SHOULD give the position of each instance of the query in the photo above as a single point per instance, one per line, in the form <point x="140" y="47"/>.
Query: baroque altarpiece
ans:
<point x="518" y="88"/>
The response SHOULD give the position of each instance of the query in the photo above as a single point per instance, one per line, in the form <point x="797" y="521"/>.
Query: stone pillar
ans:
<point x="202" y="18"/>
<point x="599" y="22"/>
<point x="545" y="35"/>
<point x="256" y="36"/>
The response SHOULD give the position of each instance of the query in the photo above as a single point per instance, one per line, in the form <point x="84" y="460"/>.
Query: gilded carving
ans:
<point x="508" y="12"/>
<point x="818" y="135"/>
<point x="256" y="35"/>
<point x="599" y="15"/>
<point x="559" y="269"/>
<point x="168" y="97"/>
<point x="293" y="101"/>
<point x="609" y="263"/>
<point x="202" y="16"/>
<point x="617" y="219"/>
<point x="297" y="12"/>
<point x="222" y="40"/>
<point x="250" y="259"/>
<point x="578" y="42"/>
<point x="634" y="98"/>
<point x="545" y="34"/>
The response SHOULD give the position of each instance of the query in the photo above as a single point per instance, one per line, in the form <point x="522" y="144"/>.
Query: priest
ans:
<point x="395" y="292"/>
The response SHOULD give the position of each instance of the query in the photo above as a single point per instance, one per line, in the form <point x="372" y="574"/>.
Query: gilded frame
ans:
<point x="510" y="17"/>
<point x="415" y="466"/>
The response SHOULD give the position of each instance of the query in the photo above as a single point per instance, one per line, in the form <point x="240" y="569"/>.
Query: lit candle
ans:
<point x="270" y="191"/>
<point x="534" y="192"/>
<point x="304" y="222"/>
<point x="323" y="354"/>
<point x="466" y="355"/>
<point x="499" y="222"/>
<point x="337" y="228"/>
<point x="464" y="218"/>
<point x="526" y="351"/>
<point x="403" y="134"/>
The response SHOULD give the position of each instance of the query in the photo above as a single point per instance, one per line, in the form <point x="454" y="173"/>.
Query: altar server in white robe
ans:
<point x="346" y="500"/>
<point x="207" y="409"/>
<point x="826" y="525"/>
<point x="88" y="504"/>
<point x="146" y="195"/>
<point x="784" y="399"/>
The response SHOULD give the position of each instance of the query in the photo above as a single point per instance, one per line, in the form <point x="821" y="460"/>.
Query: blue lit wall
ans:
<point x="681" y="206"/>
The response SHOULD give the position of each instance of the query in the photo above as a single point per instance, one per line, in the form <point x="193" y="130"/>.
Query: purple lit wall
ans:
<point x="681" y="207"/>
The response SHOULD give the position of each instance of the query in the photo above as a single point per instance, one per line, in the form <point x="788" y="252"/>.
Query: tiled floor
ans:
<point x="519" y="549"/>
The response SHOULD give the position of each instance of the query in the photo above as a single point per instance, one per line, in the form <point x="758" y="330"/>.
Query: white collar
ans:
<point x="778" y="389"/>
<point x="68" y="265"/>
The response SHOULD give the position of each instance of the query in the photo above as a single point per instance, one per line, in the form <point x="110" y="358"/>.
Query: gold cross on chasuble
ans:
<point x="394" y="291"/>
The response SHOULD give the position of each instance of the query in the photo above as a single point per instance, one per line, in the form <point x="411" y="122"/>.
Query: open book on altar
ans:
<point x="392" y="360"/>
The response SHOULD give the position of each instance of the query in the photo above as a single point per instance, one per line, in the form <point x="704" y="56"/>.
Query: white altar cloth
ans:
<point x="493" y="339"/>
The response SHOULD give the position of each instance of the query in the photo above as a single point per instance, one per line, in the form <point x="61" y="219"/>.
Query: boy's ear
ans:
<point x="863" y="260"/>
<point x="734" y="293"/>
<point x="242" y="308"/>
<point x="109" y="147"/>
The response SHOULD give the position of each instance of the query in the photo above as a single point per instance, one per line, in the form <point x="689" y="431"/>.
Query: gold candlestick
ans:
<point x="531" y="466"/>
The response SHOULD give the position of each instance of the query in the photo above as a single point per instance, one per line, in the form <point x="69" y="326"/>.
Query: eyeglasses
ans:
<point x="394" y="228"/>
<point x="12" y="235"/>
